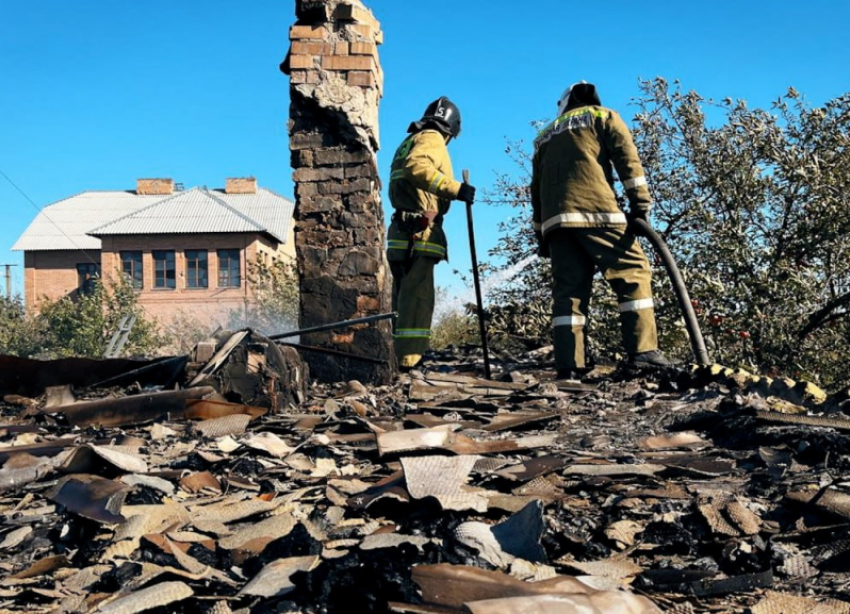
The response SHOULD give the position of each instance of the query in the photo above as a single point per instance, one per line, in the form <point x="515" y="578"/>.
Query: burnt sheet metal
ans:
<point x="604" y="602"/>
<point x="13" y="478"/>
<point x="833" y="501"/>
<point x="443" y="438"/>
<point x="91" y="497"/>
<point x="219" y="427"/>
<point x="536" y="467"/>
<point x="452" y="586"/>
<point x="103" y="460"/>
<point x="444" y="478"/>
<point x="775" y="602"/>
<point x="29" y="377"/>
<point x="131" y="410"/>
<point x="156" y="596"/>
<point x="818" y="421"/>
<point x="204" y="409"/>
<point x="520" y="534"/>
<point x="46" y="448"/>
<point x="275" y="579"/>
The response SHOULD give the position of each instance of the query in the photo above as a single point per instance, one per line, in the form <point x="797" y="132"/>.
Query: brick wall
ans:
<point x="53" y="274"/>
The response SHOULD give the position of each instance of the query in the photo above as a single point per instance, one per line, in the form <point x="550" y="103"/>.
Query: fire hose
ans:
<point x="697" y="343"/>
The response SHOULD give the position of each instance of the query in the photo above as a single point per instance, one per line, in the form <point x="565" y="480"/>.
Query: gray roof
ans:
<point x="78" y="222"/>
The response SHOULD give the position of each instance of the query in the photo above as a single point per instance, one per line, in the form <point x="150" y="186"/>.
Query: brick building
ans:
<point x="185" y="251"/>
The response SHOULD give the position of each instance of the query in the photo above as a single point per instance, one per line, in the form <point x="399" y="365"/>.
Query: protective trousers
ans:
<point x="576" y="254"/>
<point x="413" y="300"/>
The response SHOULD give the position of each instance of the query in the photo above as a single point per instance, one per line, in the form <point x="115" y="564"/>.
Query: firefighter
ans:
<point x="580" y="225"/>
<point x="422" y="187"/>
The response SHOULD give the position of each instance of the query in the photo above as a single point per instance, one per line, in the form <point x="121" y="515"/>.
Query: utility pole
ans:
<point x="9" y="280"/>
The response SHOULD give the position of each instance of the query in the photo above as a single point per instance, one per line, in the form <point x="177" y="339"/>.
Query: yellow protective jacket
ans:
<point x="422" y="187"/>
<point x="572" y="182"/>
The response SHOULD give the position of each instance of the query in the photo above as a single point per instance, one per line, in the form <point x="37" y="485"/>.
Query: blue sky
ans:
<point x="97" y="94"/>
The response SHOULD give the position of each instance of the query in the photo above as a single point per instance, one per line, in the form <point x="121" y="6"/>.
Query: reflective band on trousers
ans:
<point x="568" y="321"/>
<point x="584" y="218"/>
<point x="397" y="244"/>
<point x="643" y="303"/>
<point x="413" y="333"/>
<point x="633" y="183"/>
<point x="430" y="249"/>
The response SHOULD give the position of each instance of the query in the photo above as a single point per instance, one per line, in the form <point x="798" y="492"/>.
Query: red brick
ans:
<point x="351" y="12"/>
<point x="301" y="62"/>
<point x="363" y="78"/>
<point x="368" y="32"/>
<point x="311" y="48"/>
<point x="304" y="76"/>
<point x="364" y="48"/>
<point x="341" y="48"/>
<point x="310" y="32"/>
<point x="348" y="62"/>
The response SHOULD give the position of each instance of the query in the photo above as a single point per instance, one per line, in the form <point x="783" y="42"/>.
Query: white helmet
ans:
<point x="589" y="93"/>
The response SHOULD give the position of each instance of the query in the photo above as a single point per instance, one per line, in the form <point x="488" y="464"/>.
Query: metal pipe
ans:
<point x="697" y="343"/>
<point x="482" y="328"/>
<point x="332" y="352"/>
<point x="335" y="325"/>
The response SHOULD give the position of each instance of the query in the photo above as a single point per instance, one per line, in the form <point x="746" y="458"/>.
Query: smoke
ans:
<point x="452" y="303"/>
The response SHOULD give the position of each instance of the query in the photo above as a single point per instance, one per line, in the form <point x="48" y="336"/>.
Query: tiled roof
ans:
<point x="72" y="223"/>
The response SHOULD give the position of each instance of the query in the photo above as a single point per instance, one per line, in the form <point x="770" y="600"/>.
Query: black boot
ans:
<point x="653" y="358"/>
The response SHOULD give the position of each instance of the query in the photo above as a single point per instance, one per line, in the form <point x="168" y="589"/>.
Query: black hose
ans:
<point x="697" y="343"/>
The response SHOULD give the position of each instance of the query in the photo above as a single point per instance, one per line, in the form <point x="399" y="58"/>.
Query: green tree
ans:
<point x="82" y="326"/>
<point x="274" y="307"/>
<point x="754" y="205"/>
<point x="20" y="333"/>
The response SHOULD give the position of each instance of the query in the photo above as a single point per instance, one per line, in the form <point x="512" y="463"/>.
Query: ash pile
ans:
<point x="225" y="481"/>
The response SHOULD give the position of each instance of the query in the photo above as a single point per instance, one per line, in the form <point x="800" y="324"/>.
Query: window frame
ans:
<point x="86" y="285"/>
<point x="137" y="282"/>
<point x="196" y="268"/>
<point x="229" y="270"/>
<point x="157" y="260"/>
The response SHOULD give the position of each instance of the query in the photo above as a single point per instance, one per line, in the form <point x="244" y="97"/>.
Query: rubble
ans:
<point x="442" y="492"/>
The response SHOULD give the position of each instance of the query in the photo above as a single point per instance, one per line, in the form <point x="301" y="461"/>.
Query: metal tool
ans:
<point x="482" y="328"/>
<point x="691" y="323"/>
<point x="334" y="325"/>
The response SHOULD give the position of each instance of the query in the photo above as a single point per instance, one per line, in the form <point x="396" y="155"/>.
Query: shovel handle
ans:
<point x="482" y="328"/>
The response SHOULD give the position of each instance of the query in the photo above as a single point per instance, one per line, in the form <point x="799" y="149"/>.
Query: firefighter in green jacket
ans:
<point x="581" y="226"/>
<point x="422" y="186"/>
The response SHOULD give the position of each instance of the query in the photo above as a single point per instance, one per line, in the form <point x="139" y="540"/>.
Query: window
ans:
<point x="229" y="269"/>
<point x="87" y="273"/>
<point x="163" y="267"/>
<point x="196" y="268"/>
<point x="131" y="264"/>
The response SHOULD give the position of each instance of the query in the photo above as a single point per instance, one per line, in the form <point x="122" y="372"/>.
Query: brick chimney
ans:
<point x="240" y="185"/>
<point x="154" y="187"/>
<point x="335" y="85"/>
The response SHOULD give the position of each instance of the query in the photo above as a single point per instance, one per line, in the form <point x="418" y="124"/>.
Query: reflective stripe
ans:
<point x="568" y="321"/>
<point x="397" y="244"/>
<point x="432" y="249"/>
<point x="398" y="174"/>
<point x="436" y="182"/>
<point x="579" y="118"/>
<point x="581" y="217"/>
<point x="413" y="333"/>
<point x="641" y="303"/>
<point x="537" y="225"/>
<point x="634" y="183"/>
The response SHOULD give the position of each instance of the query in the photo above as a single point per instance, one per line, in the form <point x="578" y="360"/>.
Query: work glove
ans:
<point x="466" y="193"/>
<point x="637" y="213"/>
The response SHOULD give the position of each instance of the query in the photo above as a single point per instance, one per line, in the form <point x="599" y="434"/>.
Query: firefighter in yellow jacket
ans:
<point x="422" y="186"/>
<point x="581" y="226"/>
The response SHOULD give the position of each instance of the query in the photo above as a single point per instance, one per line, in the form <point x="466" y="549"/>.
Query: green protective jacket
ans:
<point x="422" y="187"/>
<point x="572" y="182"/>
